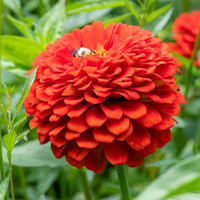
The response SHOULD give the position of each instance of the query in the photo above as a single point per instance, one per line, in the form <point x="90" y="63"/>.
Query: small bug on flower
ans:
<point x="82" y="52"/>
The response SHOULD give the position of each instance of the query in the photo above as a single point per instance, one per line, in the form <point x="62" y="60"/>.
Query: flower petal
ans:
<point x="140" y="138"/>
<point x="101" y="134"/>
<point x="151" y="118"/>
<point x="86" y="140"/>
<point x="75" y="152"/>
<point x="95" y="117"/>
<point x="96" y="160"/>
<point x="116" y="152"/>
<point x="133" y="109"/>
<point x="118" y="126"/>
<point x="111" y="110"/>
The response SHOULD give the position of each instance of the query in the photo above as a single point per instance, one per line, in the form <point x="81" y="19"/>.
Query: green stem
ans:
<point x="123" y="182"/>
<point x="23" y="182"/>
<point x="11" y="178"/>
<point x="85" y="185"/>
<point x="189" y="73"/>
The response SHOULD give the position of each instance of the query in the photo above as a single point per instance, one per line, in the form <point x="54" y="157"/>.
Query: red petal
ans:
<point x="78" y="110"/>
<point x="91" y="98"/>
<point x="58" y="152"/>
<point x="118" y="126"/>
<point x="45" y="127"/>
<point x="101" y="134"/>
<point x="162" y="137"/>
<point x="57" y="129"/>
<point x="77" y="125"/>
<point x="78" y="164"/>
<point x="166" y="123"/>
<point x="98" y="32"/>
<point x="116" y="152"/>
<point x="87" y="37"/>
<point x="70" y="135"/>
<point x="180" y="97"/>
<point x="75" y="152"/>
<point x="43" y="138"/>
<point x="133" y="109"/>
<point x="151" y="118"/>
<point x="125" y="134"/>
<point x="86" y="140"/>
<point x="58" y="140"/>
<point x="170" y="109"/>
<point x="41" y="106"/>
<point x="61" y="109"/>
<point x="73" y="100"/>
<point x="140" y="138"/>
<point x="96" y="160"/>
<point x="111" y="110"/>
<point x="134" y="160"/>
<point x="95" y="117"/>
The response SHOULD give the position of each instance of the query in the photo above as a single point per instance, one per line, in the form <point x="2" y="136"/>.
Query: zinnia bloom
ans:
<point x="114" y="104"/>
<point x="185" y="30"/>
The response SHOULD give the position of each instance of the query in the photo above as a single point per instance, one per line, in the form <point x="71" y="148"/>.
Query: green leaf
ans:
<point x="161" y="163"/>
<point x="22" y="27"/>
<point x="186" y="63"/>
<point x="49" y="177"/>
<point x="32" y="154"/>
<point x="4" y="187"/>
<point x="84" y="18"/>
<point x="187" y="196"/>
<point x="158" y="12"/>
<point x="11" y="5"/>
<point x="181" y="178"/>
<point x="134" y="9"/>
<point x="24" y="93"/>
<point x="159" y="23"/>
<point x="51" y="25"/>
<point x="20" y="125"/>
<point x="118" y="19"/>
<point x="19" y="49"/>
<point x="9" y="140"/>
<point x="95" y="6"/>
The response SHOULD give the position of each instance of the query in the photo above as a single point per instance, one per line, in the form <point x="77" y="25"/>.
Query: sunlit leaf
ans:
<point x="159" y="23"/>
<point x="181" y="178"/>
<point x="84" y="18"/>
<point x="95" y="6"/>
<point x="133" y="8"/>
<point x="187" y="196"/>
<point x="9" y="140"/>
<point x="19" y="49"/>
<point x="51" y="24"/>
<point x="32" y="154"/>
<point x="158" y="12"/>
<point x="118" y="19"/>
<point x="4" y="187"/>
<point x="24" y="93"/>
<point x="22" y="27"/>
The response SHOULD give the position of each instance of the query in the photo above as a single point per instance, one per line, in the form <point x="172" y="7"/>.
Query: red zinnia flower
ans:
<point x="116" y="104"/>
<point x="185" y="29"/>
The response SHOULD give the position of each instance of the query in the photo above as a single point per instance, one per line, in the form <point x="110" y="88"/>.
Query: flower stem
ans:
<point x="189" y="73"/>
<point x="11" y="178"/>
<point x="123" y="182"/>
<point x="85" y="185"/>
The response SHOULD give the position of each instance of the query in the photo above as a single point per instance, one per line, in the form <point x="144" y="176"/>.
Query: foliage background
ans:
<point x="172" y="172"/>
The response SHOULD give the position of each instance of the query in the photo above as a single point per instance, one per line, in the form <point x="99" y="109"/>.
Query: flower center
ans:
<point x="84" y="52"/>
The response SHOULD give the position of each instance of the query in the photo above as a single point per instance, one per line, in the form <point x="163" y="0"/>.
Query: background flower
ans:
<point x="115" y="105"/>
<point x="185" y="30"/>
